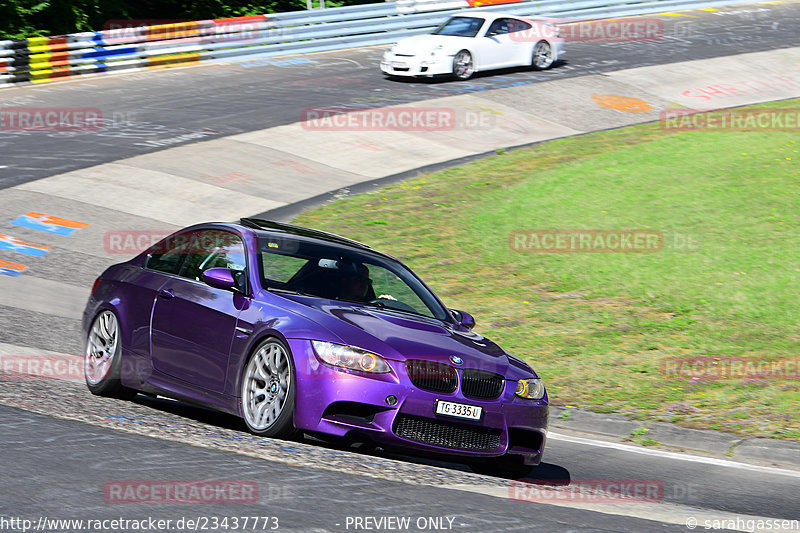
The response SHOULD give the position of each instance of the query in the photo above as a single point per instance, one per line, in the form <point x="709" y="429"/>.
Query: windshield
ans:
<point x="335" y="273"/>
<point x="460" y="27"/>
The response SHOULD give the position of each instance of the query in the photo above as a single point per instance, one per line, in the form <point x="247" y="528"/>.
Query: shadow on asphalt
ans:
<point x="544" y="474"/>
<point x="193" y="412"/>
<point x="447" y="78"/>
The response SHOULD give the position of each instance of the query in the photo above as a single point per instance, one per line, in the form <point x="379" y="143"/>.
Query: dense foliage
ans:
<point x="27" y="18"/>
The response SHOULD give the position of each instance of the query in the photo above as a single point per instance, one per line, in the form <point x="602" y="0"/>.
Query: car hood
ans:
<point x="399" y="336"/>
<point x="420" y="44"/>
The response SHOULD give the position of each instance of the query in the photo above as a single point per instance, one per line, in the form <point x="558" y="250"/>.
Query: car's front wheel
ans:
<point x="268" y="391"/>
<point x="102" y="361"/>
<point x="463" y="65"/>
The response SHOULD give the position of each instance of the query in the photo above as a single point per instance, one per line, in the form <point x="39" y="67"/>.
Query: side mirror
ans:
<point x="465" y="319"/>
<point x="219" y="278"/>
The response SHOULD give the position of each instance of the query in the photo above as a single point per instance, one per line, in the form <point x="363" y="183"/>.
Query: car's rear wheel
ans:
<point x="102" y="360"/>
<point x="268" y="391"/>
<point x="508" y="466"/>
<point x="463" y="65"/>
<point x="542" y="56"/>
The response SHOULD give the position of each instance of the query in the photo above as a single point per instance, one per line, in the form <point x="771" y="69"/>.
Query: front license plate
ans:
<point x="459" y="410"/>
<point x="398" y="64"/>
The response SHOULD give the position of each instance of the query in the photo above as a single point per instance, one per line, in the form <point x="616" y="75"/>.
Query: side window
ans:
<point x="498" y="27"/>
<point x="212" y="249"/>
<point x="515" y="25"/>
<point x="168" y="255"/>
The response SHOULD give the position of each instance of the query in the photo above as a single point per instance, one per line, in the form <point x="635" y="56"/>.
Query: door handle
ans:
<point x="166" y="294"/>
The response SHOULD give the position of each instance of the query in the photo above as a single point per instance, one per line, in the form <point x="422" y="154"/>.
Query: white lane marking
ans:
<point x="672" y="455"/>
<point x="13" y="349"/>
<point x="353" y="61"/>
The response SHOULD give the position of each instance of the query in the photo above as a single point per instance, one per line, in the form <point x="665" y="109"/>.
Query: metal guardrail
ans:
<point x="42" y="59"/>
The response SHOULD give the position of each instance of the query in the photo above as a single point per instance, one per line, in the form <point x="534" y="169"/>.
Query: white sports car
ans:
<point x="471" y="41"/>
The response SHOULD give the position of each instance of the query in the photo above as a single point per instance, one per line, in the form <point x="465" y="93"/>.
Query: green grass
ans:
<point x="638" y="436"/>
<point x="599" y="326"/>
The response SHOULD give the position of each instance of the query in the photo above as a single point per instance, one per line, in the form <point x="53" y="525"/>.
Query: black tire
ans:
<point x="542" y="57"/>
<point x="463" y="65"/>
<point x="103" y="358"/>
<point x="259" y="375"/>
<point x="507" y="467"/>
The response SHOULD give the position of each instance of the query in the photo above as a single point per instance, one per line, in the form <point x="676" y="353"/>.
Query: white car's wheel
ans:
<point x="463" y="65"/>
<point x="542" y="56"/>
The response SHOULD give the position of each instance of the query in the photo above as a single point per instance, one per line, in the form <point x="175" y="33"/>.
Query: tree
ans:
<point x="27" y="18"/>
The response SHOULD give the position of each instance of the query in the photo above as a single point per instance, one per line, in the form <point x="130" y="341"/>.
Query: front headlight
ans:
<point x="530" y="389"/>
<point x="350" y="358"/>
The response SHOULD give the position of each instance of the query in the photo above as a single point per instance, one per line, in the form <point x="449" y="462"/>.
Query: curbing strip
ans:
<point x="768" y="449"/>
<point x="674" y="436"/>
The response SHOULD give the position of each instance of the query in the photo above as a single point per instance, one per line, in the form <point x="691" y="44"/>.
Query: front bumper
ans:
<point x="342" y="403"/>
<point x="395" y="65"/>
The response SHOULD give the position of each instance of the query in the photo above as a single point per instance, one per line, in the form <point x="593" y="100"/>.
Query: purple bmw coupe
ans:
<point x="294" y="329"/>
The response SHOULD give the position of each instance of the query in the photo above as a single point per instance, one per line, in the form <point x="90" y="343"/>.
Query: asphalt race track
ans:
<point x="183" y="105"/>
<point x="302" y="499"/>
<point x="62" y="447"/>
<point x="85" y="462"/>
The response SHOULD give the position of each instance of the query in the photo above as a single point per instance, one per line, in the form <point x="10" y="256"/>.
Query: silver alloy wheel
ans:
<point x="542" y="55"/>
<point x="463" y="68"/>
<point x="101" y="346"/>
<point x="265" y="386"/>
